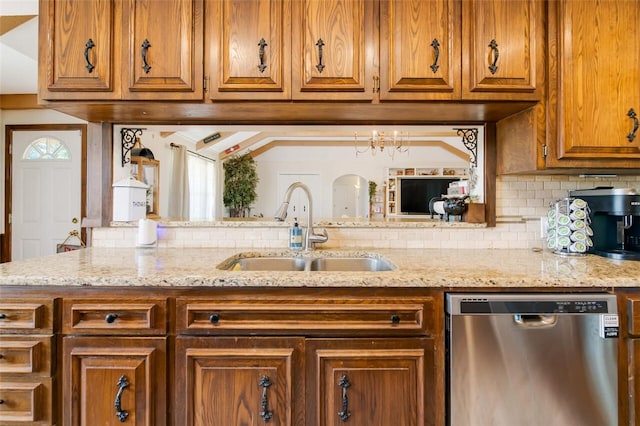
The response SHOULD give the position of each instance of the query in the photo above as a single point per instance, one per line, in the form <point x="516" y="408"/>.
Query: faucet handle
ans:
<point x="319" y="238"/>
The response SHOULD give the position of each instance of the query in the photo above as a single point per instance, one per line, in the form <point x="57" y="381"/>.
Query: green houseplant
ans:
<point x="240" y="180"/>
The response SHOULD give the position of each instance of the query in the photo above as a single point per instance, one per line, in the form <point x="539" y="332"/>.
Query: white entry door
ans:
<point x="46" y="190"/>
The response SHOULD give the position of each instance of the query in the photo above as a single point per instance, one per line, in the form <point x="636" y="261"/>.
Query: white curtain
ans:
<point x="179" y="189"/>
<point x="201" y="187"/>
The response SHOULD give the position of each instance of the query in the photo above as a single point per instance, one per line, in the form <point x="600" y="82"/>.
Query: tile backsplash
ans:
<point x="520" y="202"/>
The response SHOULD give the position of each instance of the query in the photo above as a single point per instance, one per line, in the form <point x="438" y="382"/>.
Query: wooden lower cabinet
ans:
<point x="634" y="392"/>
<point x="114" y="380"/>
<point x="225" y="381"/>
<point x="370" y="382"/>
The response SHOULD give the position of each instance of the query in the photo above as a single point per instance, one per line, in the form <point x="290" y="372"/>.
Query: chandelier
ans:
<point x="398" y="143"/>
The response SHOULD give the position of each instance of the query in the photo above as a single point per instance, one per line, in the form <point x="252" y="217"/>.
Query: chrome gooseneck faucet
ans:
<point x="311" y="238"/>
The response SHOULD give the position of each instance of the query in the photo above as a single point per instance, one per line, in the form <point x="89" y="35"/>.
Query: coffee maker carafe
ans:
<point x="615" y="219"/>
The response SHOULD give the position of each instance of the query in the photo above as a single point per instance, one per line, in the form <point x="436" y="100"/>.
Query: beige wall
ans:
<point x="521" y="201"/>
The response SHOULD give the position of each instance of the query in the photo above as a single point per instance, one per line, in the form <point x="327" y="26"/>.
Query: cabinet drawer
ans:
<point x="114" y="317"/>
<point x="633" y="306"/>
<point x="25" y="402"/>
<point x="26" y="316"/>
<point x="25" y="355"/>
<point x="305" y="316"/>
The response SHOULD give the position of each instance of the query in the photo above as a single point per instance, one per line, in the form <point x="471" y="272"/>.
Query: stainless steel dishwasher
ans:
<point x="532" y="360"/>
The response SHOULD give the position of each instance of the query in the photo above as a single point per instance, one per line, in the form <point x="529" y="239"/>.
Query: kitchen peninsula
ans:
<point x="173" y="326"/>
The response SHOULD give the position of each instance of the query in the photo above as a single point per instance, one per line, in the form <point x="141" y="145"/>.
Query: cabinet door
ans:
<point x="503" y="49"/>
<point x="77" y="44"/>
<point x="334" y="48"/>
<point x="109" y="381"/>
<point x="243" y="381"/>
<point x="419" y="49"/>
<point x="634" y="365"/>
<point x="597" y="85"/>
<point x="248" y="52"/>
<point x="371" y="382"/>
<point x="164" y="49"/>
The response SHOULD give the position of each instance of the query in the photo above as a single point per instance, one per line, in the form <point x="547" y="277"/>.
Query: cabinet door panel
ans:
<point x="503" y="45"/>
<point x="107" y="379"/>
<point x="162" y="54"/>
<point x="598" y="79"/>
<point x="79" y="51"/>
<point x="419" y="50"/>
<point x="221" y="381"/>
<point x="634" y="365"/>
<point x="370" y="382"/>
<point x="334" y="49"/>
<point x="239" y="67"/>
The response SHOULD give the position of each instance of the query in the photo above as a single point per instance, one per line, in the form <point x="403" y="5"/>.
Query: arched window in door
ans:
<point x="47" y="148"/>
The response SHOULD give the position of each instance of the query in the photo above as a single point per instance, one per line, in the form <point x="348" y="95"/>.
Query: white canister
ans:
<point x="129" y="200"/>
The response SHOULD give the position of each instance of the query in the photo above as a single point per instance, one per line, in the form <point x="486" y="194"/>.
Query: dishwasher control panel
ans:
<point x="476" y="306"/>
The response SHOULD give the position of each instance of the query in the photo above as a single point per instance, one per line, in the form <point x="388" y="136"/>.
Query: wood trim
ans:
<point x="26" y="101"/>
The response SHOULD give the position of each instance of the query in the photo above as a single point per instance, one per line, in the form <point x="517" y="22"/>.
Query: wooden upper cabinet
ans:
<point x="503" y="49"/>
<point x="76" y="54"/>
<point x="164" y="49"/>
<point x="247" y="49"/>
<point x="597" y="86"/>
<point x="334" y="49"/>
<point x="419" y="50"/>
<point x="121" y="49"/>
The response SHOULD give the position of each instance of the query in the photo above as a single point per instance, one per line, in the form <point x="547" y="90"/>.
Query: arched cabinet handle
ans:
<point x="632" y="115"/>
<point x="436" y="50"/>
<point x="110" y="318"/>
<point x="145" y="48"/>
<point x="266" y="414"/>
<point x="496" y="54"/>
<point x="262" y="44"/>
<point x="87" y="47"/>
<point x="344" y="384"/>
<point x="320" y="66"/>
<point x="122" y="384"/>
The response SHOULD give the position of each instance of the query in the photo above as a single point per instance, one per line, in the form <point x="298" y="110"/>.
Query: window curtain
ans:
<point x="201" y="187"/>
<point x="179" y="189"/>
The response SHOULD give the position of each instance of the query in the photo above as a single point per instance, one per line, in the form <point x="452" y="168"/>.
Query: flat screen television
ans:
<point x="415" y="193"/>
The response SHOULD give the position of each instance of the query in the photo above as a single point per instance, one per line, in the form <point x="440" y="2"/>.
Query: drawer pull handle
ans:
<point x="632" y="115"/>
<point x="214" y="318"/>
<point x="110" y="318"/>
<point x="262" y="44"/>
<point x="494" y="49"/>
<point x="3" y="316"/>
<point x="395" y="319"/>
<point x="436" y="48"/>
<point x="344" y="384"/>
<point x="320" y="65"/>
<point x="145" y="48"/>
<point x="90" y="45"/>
<point x="122" y="384"/>
<point x="1" y="356"/>
<point x="1" y="401"/>
<point x="266" y="414"/>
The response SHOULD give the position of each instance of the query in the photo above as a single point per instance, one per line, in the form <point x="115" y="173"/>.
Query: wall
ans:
<point x="521" y="201"/>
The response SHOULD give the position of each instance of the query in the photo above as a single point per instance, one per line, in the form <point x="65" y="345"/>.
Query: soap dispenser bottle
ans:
<point x="295" y="236"/>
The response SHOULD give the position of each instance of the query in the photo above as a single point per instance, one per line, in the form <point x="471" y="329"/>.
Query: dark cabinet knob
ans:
<point x="395" y="319"/>
<point x="110" y="318"/>
<point x="214" y="318"/>
<point x="3" y="316"/>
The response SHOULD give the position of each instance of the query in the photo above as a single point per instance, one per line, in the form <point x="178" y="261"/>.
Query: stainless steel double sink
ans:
<point x="305" y="262"/>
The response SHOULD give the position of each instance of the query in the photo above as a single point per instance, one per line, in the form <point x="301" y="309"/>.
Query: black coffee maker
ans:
<point x="615" y="220"/>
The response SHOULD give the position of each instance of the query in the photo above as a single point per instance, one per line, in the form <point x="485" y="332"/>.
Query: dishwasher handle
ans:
<point x="535" y="321"/>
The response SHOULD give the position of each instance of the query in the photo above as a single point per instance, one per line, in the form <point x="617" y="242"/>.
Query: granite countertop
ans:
<point x="173" y="267"/>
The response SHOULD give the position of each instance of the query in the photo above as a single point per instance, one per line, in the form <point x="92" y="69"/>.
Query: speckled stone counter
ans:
<point x="109" y="267"/>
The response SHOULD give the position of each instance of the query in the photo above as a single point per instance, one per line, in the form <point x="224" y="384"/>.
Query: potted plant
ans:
<point x="373" y="188"/>
<point x="240" y="180"/>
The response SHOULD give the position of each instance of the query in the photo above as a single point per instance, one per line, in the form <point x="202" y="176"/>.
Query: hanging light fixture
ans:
<point x="398" y="143"/>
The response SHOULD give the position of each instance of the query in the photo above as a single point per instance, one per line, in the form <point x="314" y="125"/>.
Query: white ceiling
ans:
<point x="19" y="48"/>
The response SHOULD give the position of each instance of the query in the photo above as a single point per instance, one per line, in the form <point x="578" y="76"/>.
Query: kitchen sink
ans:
<point x="350" y="263"/>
